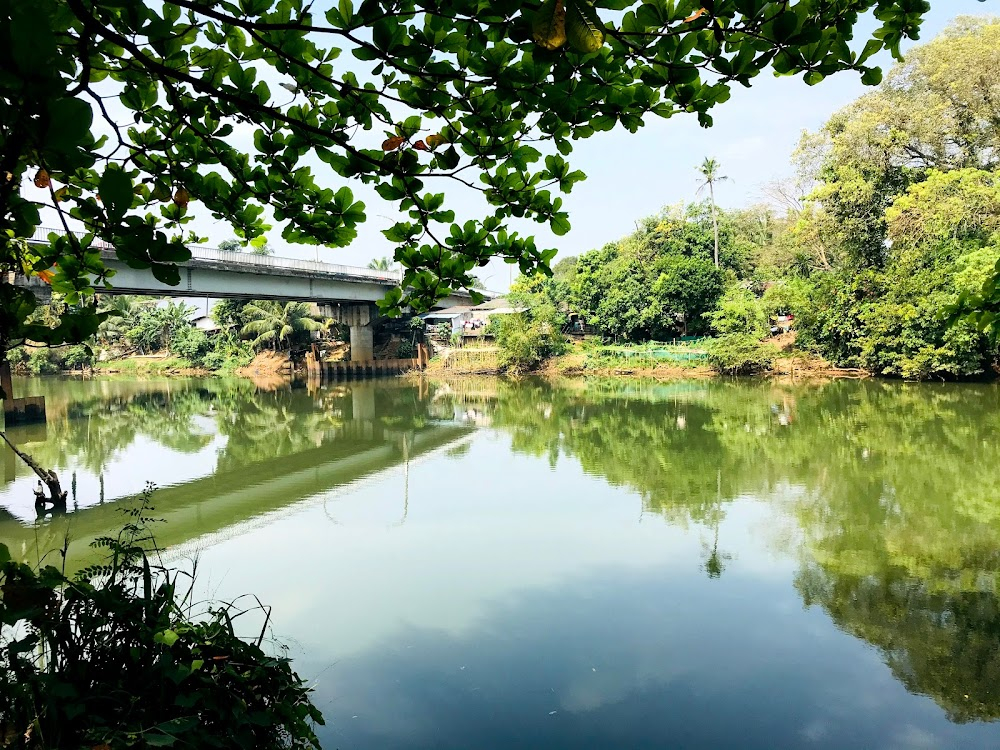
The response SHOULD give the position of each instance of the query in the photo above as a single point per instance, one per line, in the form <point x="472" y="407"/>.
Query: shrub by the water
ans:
<point x="113" y="658"/>
<point x="39" y="362"/>
<point x="190" y="342"/>
<point x="740" y="354"/>
<point x="525" y="340"/>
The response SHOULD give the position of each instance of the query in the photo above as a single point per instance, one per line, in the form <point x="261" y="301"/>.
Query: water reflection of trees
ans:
<point x="895" y="490"/>
<point x="96" y="421"/>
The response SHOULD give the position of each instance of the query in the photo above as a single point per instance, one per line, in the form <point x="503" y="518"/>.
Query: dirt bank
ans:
<point x="268" y="364"/>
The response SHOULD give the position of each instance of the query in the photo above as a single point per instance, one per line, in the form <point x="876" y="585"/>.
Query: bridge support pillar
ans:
<point x="362" y="344"/>
<point x="29" y="410"/>
<point x="359" y="318"/>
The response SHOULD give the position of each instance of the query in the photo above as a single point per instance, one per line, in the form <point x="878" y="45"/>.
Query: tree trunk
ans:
<point x="57" y="496"/>
<point x="715" y="222"/>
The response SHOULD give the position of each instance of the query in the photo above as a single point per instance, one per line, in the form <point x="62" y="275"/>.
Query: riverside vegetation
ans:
<point x="144" y="326"/>
<point x="117" y="655"/>
<point x="892" y="220"/>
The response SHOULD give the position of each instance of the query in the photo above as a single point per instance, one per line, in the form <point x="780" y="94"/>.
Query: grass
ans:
<point x="144" y="365"/>
<point x="648" y="355"/>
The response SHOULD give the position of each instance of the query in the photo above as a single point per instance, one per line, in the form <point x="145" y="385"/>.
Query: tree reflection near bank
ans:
<point x="893" y="491"/>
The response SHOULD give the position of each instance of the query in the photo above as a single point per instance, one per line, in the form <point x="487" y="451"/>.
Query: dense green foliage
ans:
<point x="657" y="283"/>
<point x="145" y="326"/>
<point x="740" y="354"/>
<point x="892" y="223"/>
<point x="906" y="209"/>
<point x="396" y="95"/>
<point x="526" y="339"/>
<point x="112" y="657"/>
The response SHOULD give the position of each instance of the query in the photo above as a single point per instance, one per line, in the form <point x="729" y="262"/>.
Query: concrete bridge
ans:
<point x="345" y="293"/>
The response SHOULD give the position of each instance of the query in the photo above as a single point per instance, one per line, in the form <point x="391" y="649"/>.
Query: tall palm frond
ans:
<point x="273" y="324"/>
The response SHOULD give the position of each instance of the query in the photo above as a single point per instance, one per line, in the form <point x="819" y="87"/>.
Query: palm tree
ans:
<point x="125" y="311"/>
<point x="273" y="323"/>
<point x="710" y="171"/>
<point x="380" y="264"/>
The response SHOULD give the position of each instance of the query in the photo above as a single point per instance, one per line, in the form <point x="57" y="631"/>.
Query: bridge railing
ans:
<point x="200" y="252"/>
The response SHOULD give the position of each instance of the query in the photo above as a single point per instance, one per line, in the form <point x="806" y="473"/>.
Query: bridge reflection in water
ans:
<point x="224" y="454"/>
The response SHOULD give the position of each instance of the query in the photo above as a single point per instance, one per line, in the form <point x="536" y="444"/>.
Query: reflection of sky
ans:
<point x="487" y="600"/>
<point x="126" y="474"/>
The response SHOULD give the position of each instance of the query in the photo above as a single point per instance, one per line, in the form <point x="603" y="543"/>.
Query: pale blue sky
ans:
<point x="631" y="176"/>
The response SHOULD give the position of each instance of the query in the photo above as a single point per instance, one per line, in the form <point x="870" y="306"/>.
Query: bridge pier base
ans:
<point x="30" y="410"/>
<point x="362" y="343"/>
<point x="359" y="318"/>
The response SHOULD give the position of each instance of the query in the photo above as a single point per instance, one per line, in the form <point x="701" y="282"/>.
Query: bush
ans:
<point x="40" y="362"/>
<point x="17" y="356"/>
<point x="111" y="658"/>
<point x="228" y="353"/>
<point x="740" y="354"/>
<point x="525" y="341"/>
<point x="406" y="349"/>
<point x="740" y="311"/>
<point x="190" y="342"/>
<point x="442" y="331"/>
<point x="77" y="357"/>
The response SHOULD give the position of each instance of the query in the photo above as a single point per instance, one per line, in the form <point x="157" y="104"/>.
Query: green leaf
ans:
<point x="69" y="124"/>
<point x="158" y="739"/>
<point x="583" y="27"/>
<point x="784" y="25"/>
<point x="872" y="77"/>
<point x="169" y="275"/>
<point x="116" y="192"/>
<point x="166" y="637"/>
<point x="559" y="224"/>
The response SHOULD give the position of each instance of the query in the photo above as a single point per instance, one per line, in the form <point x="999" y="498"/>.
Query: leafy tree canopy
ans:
<point x="127" y="118"/>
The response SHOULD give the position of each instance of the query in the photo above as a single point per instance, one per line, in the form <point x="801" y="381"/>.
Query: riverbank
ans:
<point x="147" y="365"/>
<point x="686" y="363"/>
<point x="265" y="364"/>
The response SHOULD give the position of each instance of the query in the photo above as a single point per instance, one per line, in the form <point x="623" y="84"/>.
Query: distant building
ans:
<point x="206" y="324"/>
<point x="471" y="317"/>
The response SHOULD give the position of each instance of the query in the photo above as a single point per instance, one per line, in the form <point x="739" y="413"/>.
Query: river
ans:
<point x="601" y="564"/>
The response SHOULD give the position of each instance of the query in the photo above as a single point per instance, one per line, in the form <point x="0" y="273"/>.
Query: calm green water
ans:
<point x="597" y="565"/>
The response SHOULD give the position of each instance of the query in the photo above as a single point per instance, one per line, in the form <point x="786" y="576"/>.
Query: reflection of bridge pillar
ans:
<point x="359" y="318"/>
<point x="363" y="402"/>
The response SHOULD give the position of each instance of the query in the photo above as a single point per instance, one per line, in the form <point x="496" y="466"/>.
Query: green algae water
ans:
<point x="606" y="564"/>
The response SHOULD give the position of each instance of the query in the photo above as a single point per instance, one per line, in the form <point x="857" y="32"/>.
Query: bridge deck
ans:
<point x="220" y="274"/>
